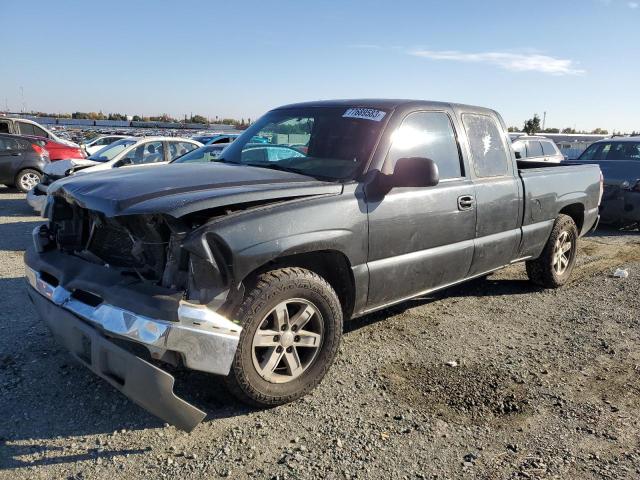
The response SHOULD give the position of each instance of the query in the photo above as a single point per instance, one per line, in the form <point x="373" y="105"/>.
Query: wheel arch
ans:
<point x="332" y="265"/>
<point x="576" y="212"/>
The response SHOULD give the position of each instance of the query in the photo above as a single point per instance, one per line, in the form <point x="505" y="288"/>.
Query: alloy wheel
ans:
<point x="288" y="340"/>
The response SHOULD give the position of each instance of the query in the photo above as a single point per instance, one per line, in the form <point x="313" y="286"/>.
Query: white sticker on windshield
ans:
<point x="365" y="113"/>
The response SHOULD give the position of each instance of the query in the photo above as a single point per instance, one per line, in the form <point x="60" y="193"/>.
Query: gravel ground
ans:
<point x="492" y="379"/>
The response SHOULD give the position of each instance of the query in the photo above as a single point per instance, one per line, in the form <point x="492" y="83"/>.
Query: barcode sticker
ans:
<point x="365" y="113"/>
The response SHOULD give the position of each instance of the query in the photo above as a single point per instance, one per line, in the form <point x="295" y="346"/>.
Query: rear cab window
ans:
<point x="488" y="151"/>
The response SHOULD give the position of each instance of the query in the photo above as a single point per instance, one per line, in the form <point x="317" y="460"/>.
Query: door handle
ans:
<point x="465" y="202"/>
<point x="17" y="154"/>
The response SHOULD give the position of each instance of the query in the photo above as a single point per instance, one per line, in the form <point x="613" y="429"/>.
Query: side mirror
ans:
<point x="126" y="161"/>
<point x="518" y="156"/>
<point x="415" y="172"/>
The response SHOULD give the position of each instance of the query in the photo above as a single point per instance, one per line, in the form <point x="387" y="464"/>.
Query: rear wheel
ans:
<point x="27" y="179"/>
<point x="554" y="266"/>
<point x="292" y="325"/>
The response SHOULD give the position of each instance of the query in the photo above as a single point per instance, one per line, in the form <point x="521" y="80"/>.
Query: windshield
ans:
<point x="110" y="151"/>
<point x="208" y="153"/>
<point x="326" y="142"/>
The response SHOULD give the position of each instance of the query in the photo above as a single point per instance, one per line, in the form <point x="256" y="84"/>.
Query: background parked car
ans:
<point x="22" y="126"/>
<point x="270" y="153"/>
<point x="619" y="161"/>
<point x="98" y="143"/>
<point x="22" y="161"/>
<point x="226" y="138"/>
<point x="60" y="151"/>
<point x="537" y="149"/>
<point x="216" y="138"/>
<point x="208" y="153"/>
<point x="128" y="151"/>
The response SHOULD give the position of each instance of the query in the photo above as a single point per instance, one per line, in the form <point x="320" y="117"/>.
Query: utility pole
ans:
<point x="544" y="120"/>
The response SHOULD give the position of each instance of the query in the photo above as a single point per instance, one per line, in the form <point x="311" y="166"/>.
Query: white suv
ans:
<point x="536" y="149"/>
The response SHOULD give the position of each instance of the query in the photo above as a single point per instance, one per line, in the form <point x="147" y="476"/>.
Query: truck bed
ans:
<point x="548" y="189"/>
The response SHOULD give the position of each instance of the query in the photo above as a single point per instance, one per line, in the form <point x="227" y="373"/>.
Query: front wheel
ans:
<point x="292" y="325"/>
<point x="27" y="179"/>
<point x="554" y="266"/>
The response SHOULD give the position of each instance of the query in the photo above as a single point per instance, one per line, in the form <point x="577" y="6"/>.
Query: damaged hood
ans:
<point x="59" y="168"/>
<point x="180" y="189"/>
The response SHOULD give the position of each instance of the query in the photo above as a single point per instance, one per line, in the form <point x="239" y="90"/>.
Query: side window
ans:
<point x="549" y="148"/>
<point x="427" y="135"/>
<point x="40" y="132"/>
<point x="9" y="144"/>
<point x="534" y="149"/>
<point x="151" y="152"/>
<point x="26" y="128"/>
<point x="487" y="146"/>
<point x="177" y="149"/>
<point x="4" y="127"/>
<point x="256" y="154"/>
<point x="187" y="147"/>
<point x="591" y="152"/>
<point x="624" y="151"/>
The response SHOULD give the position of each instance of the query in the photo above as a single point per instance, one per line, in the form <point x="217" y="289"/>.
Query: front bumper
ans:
<point x="145" y="384"/>
<point x="203" y="339"/>
<point x="37" y="198"/>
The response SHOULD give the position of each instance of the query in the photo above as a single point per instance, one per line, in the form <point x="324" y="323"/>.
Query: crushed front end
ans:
<point x="124" y="295"/>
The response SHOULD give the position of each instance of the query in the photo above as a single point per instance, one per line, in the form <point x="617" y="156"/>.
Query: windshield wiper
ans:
<point x="275" y="166"/>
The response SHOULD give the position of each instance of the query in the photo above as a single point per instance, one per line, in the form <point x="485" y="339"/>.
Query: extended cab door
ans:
<point x="421" y="238"/>
<point x="498" y="193"/>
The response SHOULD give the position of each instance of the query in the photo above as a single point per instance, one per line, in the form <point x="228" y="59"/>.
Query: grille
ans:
<point x="113" y="244"/>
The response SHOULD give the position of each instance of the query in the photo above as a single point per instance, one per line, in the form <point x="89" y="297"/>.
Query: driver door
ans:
<point x="422" y="238"/>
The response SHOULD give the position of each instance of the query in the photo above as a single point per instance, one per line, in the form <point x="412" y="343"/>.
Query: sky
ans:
<point x="577" y="60"/>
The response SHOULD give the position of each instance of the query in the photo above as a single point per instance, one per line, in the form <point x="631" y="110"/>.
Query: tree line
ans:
<point x="143" y="118"/>
<point x="533" y="126"/>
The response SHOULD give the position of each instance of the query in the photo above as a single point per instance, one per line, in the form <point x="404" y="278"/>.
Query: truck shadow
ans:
<point x="481" y="287"/>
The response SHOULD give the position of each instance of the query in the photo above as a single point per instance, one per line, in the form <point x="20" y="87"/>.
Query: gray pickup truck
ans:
<point x="247" y="267"/>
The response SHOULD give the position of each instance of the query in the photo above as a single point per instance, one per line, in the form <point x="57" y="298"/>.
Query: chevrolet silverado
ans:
<point x="248" y="266"/>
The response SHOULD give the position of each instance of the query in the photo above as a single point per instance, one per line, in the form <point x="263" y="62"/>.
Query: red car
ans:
<point x="60" y="151"/>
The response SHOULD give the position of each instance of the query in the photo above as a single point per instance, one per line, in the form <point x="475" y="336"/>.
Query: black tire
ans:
<point x="21" y="182"/>
<point x="266" y="292"/>
<point x="541" y="271"/>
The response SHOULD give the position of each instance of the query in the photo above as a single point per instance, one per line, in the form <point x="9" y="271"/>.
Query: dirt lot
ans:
<point x="547" y="385"/>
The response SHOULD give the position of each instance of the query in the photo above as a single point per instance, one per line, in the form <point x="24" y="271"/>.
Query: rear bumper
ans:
<point x="145" y="384"/>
